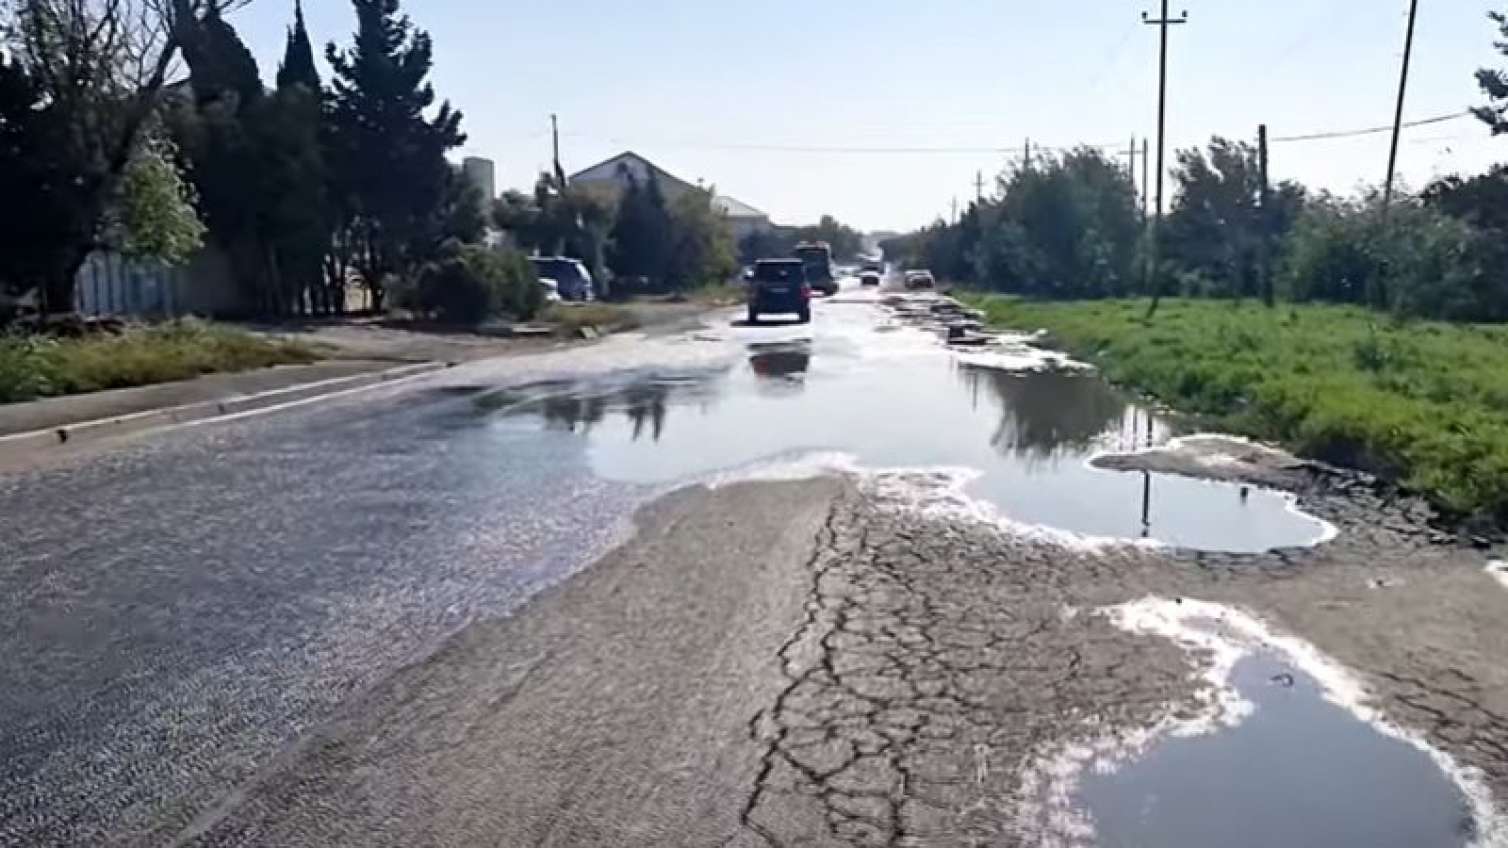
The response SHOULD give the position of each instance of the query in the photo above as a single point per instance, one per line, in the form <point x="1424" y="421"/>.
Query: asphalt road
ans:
<point x="400" y="618"/>
<point x="176" y="609"/>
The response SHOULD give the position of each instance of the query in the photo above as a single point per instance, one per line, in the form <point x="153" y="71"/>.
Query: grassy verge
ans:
<point x="1423" y="403"/>
<point x="721" y="294"/>
<point x="35" y="367"/>
<point x="569" y="318"/>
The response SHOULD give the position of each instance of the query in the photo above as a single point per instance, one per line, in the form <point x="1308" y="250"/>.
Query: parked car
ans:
<point x="780" y="286"/>
<point x="920" y="280"/>
<point x="869" y="278"/>
<point x="572" y="279"/>
<point x="550" y="288"/>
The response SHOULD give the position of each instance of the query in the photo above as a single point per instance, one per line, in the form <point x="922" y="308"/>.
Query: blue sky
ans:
<point x="695" y="85"/>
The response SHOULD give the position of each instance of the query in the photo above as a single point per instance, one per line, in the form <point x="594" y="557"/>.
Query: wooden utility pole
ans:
<point x="1403" y="84"/>
<point x="1028" y="157"/>
<point x="1162" y="23"/>
<point x="1264" y="219"/>
<point x="1146" y="178"/>
<point x="560" y="176"/>
<point x="1131" y="161"/>
<point x="979" y="186"/>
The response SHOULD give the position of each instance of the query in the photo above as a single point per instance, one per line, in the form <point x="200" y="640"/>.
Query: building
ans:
<point x="482" y="173"/>
<point x="743" y="218"/>
<point x="610" y="178"/>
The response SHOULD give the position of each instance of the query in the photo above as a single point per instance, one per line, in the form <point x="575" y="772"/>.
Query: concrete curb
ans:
<point x="87" y="431"/>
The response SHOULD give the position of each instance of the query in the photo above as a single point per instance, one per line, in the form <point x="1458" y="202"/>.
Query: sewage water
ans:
<point x="893" y="397"/>
<point x="1299" y="770"/>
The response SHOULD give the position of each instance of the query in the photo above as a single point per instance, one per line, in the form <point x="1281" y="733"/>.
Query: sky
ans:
<point x="884" y="113"/>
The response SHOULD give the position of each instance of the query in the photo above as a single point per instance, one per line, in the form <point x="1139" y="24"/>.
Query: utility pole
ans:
<point x="560" y="176"/>
<point x="1264" y="219"/>
<point x="1146" y="178"/>
<point x="955" y="208"/>
<point x="1162" y="23"/>
<point x="979" y="186"/>
<point x="1403" y="84"/>
<point x="1131" y="161"/>
<point x="1028" y="158"/>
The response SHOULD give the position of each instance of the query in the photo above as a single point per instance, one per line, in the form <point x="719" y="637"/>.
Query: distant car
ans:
<point x="920" y="280"/>
<point x="572" y="280"/>
<point x="780" y="286"/>
<point x="869" y="278"/>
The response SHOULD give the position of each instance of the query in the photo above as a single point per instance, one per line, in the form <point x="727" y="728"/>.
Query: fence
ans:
<point x="111" y="284"/>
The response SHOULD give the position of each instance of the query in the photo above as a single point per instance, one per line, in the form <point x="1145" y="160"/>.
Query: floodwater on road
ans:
<point x="890" y="397"/>
<point x="1298" y="770"/>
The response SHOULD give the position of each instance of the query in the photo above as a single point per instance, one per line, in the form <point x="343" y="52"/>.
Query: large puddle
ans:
<point x="1279" y="747"/>
<point x="892" y="397"/>
<point x="1299" y="770"/>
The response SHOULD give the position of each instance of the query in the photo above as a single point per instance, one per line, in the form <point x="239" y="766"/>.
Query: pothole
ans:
<point x="1280" y="746"/>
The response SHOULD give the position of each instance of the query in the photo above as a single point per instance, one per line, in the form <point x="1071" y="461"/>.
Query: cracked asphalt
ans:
<point x="839" y="669"/>
<point x="378" y="623"/>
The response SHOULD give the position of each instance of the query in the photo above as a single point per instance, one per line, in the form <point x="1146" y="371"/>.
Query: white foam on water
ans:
<point x="1219" y="636"/>
<point x="1014" y="354"/>
<point x="938" y="491"/>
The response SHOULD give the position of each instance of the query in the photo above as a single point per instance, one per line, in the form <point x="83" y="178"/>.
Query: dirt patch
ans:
<point x="1217" y="457"/>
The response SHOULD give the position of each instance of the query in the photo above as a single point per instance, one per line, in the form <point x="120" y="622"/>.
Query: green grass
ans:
<point x="568" y="318"/>
<point x="1422" y="403"/>
<point x="34" y="367"/>
<point x="719" y="294"/>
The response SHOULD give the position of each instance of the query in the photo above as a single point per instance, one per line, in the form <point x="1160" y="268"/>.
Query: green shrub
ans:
<point x="469" y="284"/>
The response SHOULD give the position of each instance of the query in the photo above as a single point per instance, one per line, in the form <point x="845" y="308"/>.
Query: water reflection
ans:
<point x="780" y="367"/>
<point x="890" y="404"/>
<point x="1045" y="414"/>
<point x="642" y="404"/>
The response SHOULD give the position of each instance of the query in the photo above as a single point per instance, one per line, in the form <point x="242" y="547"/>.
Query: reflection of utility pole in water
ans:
<point x="1146" y="504"/>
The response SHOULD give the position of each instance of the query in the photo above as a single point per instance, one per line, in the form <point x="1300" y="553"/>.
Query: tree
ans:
<point x="846" y="242"/>
<point x="640" y="243"/>
<point x="155" y="218"/>
<point x="1421" y="262"/>
<point x="767" y="244"/>
<point x="1494" y="83"/>
<point x="388" y="157"/>
<point x="258" y="165"/>
<point x="1218" y="231"/>
<point x="558" y="220"/>
<point x="93" y="70"/>
<point x="298" y="68"/>
<point x="37" y="216"/>
<point x="1481" y="200"/>
<point x="1066" y="227"/>
<point x="702" y="249"/>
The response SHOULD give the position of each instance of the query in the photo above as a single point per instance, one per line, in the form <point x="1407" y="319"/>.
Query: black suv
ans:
<point x="779" y="285"/>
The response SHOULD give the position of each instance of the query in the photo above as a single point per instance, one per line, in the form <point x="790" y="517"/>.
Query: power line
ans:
<point x="1117" y="146"/>
<point x="1322" y="136"/>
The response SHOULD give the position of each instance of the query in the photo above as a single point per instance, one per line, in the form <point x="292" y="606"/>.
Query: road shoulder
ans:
<point x="614" y="709"/>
